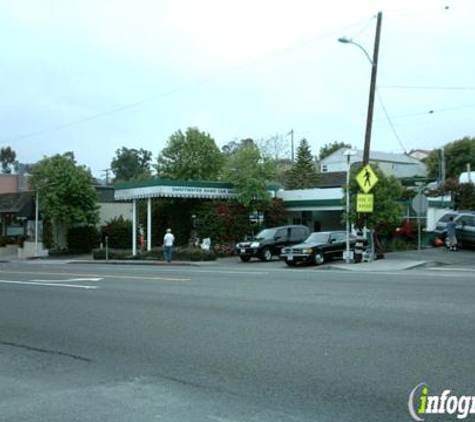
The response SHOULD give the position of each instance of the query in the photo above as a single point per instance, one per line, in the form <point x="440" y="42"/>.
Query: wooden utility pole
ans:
<point x="362" y="218"/>
<point x="372" y="90"/>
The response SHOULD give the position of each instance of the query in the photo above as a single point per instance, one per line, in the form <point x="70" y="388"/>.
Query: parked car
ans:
<point x="269" y="242"/>
<point x="459" y="217"/>
<point x="465" y="229"/>
<point x="318" y="248"/>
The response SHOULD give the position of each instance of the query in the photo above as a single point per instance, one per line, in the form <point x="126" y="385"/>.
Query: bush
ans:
<point x="113" y="254"/>
<point x="396" y="245"/>
<point x="179" y="254"/>
<point x="119" y="233"/>
<point x="21" y="240"/>
<point x="83" y="239"/>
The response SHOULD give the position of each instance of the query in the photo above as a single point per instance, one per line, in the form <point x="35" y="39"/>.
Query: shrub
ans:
<point x="223" y="222"/>
<point x="21" y="240"/>
<point x="113" y="254"/>
<point x="83" y="238"/>
<point x="119" y="233"/>
<point x="396" y="245"/>
<point x="275" y="213"/>
<point x="179" y="254"/>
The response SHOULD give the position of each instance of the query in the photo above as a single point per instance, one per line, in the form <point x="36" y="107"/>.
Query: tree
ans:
<point x="303" y="174"/>
<point x="232" y="147"/>
<point x="250" y="172"/>
<point x="8" y="159"/>
<point x="330" y="148"/>
<point x="463" y="194"/>
<point x="132" y="164"/>
<point x="277" y="147"/>
<point x="190" y="156"/>
<point x="388" y="207"/>
<point x="66" y="191"/>
<point x="457" y="155"/>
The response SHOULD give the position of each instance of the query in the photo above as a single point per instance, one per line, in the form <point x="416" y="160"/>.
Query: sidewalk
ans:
<point x="406" y="260"/>
<point x="393" y="261"/>
<point x="87" y="259"/>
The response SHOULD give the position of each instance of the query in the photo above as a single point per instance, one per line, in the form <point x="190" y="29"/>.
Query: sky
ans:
<point x="93" y="76"/>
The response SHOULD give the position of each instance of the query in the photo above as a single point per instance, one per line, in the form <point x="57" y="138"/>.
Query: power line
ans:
<point x="441" y="88"/>
<point x="434" y="111"/>
<point x="194" y="84"/>
<point x="390" y="122"/>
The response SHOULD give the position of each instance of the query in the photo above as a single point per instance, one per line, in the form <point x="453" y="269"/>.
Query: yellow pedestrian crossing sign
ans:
<point x="364" y="202"/>
<point x="366" y="178"/>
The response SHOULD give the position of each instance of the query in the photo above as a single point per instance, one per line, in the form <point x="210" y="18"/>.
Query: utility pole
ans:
<point x="362" y="219"/>
<point x="292" y="144"/>
<point x="372" y="90"/>
<point x="107" y="175"/>
<point x="442" y="167"/>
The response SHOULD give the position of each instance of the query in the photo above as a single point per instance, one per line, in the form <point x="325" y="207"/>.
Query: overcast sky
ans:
<point x="92" y="76"/>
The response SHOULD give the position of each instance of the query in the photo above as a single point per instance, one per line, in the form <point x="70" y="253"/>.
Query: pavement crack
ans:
<point x="47" y="351"/>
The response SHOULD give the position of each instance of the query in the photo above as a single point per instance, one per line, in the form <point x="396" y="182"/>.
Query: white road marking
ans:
<point x="68" y="280"/>
<point x="461" y="269"/>
<point x="33" y="283"/>
<point x="121" y="276"/>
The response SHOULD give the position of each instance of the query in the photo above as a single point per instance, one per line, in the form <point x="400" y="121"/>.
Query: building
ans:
<point x="419" y="154"/>
<point x="399" y="165"/>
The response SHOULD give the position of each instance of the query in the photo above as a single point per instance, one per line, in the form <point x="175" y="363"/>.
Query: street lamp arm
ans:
<point x="345" y="40"/>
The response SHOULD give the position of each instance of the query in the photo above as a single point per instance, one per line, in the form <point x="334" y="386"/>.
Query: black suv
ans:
<point x="269" y="242"/>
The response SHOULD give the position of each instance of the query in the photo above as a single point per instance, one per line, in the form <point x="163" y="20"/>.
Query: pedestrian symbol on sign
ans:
<point x="366" y="178"/>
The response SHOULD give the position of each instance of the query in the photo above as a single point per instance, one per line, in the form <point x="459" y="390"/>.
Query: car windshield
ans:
<point x="446" y="217"/>
<point x="265" y="234"/>
<point x="317" y="238"/>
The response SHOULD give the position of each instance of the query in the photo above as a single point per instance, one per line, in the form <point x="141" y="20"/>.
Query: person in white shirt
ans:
<point x="168" y="241"/>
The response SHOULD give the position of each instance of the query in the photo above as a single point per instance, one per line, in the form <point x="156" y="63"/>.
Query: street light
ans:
<point x="345" y="40"/>
<point x="348" y="153"/>
<point x="361" y="222"/>
<point x="372" y="90"/>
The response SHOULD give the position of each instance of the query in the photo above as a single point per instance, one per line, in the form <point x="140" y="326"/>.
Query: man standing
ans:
<point x="168" y="240"/>
<point x="451" y="235"/>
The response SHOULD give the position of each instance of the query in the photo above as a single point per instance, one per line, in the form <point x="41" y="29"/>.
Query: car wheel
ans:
<point x="290" y="263"/>
<point x="266" y="254"/>
<point x="318" y="258"/>
<point x="245" y="258"/>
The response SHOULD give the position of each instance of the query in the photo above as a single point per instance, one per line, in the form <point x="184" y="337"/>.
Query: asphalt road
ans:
<point x="229" y="343"/>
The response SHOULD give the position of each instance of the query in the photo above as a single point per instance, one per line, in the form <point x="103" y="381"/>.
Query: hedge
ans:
<point x="83" y="239"/>
<point x="156" y="254"/>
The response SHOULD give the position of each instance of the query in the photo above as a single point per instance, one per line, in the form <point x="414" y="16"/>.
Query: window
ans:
<point x="338" y="237"/>
<point x="465" y="219"/>
<point x="297" y="234"/>
<point x="324" y="168"/>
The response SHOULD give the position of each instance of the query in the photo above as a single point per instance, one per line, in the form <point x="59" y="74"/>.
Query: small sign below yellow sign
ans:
<point x="366" y="178"/>
<point x="364" y="202"/>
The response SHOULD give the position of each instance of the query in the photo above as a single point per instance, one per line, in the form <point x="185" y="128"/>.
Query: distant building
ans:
<point x="18" y="182"/>
<point x="419" y="154"/>
<point x="398" y="165"/>
<point x="467" y="177"/>
<point x="8" y="183"/>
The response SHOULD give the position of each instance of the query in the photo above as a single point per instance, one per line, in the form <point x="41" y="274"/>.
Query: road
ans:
<point x="229" y="342"/>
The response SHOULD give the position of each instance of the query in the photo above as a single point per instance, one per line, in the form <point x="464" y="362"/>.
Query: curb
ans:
<point x="368" y="268"/>
<point x="131" y="262"/>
